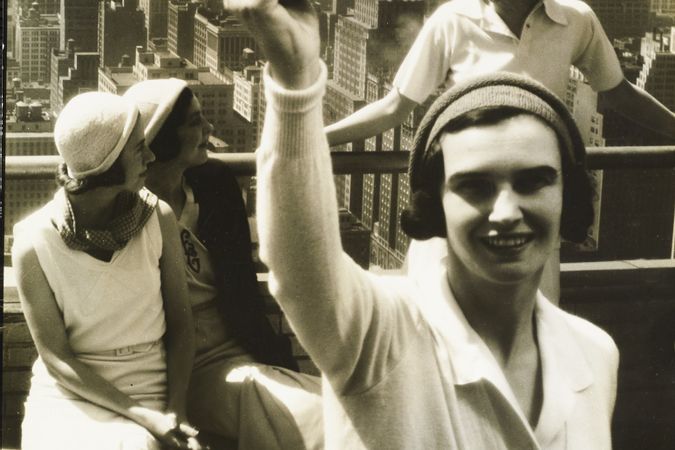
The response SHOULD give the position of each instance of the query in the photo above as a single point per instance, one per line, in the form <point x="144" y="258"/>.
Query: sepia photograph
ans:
<point x="338" y="224"/>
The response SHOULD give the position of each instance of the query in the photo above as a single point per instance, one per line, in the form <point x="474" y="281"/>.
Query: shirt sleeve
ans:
<point x="598" y="61"/>
<point x="351" y="322"/>
<point x="426" y="65"/>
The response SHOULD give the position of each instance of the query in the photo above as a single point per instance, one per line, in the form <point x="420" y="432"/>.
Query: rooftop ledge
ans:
<point x="577" y="280"/>
<point x="637" y="157"/>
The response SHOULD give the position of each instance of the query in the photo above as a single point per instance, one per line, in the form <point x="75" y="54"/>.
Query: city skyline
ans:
<point x="363" y="42"/>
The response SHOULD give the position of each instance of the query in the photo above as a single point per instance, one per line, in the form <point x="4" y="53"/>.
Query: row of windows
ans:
<point x="20" y="197"/>
<point x="29" y="151"/>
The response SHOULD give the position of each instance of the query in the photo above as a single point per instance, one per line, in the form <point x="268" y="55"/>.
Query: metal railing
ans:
<point x="637" y="157"/>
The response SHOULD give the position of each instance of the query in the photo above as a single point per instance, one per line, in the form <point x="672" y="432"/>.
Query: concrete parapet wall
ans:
<point x="634" y="301"/>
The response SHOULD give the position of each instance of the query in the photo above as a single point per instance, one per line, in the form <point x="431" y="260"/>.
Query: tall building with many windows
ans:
<point x="658" y="71"/>
<point x="214" y="92"/>
<point x="72" y="73"/>
<point x="156" y="17"/>
<point x="338" y="103"/>
<point x="79" y="21"/>
<point x="121" y="28"/>
<point x="36" y="35"/>
<point x="623" y="18"/>
<point x="369" y="44"/>
<point x="582" y="102"/>
<point x="220" y="41"/>
<point x="11" y="12"/>
<point x="647" y="232"/>
<point x="663" y="6"/>
<point x="370" y="212"/>
<point x="374" y="39"/>
<point x="181" y="23"/>
<point x="249" y="99"/>
<point x="46" y="6"/>
<point x="12" y="70"/>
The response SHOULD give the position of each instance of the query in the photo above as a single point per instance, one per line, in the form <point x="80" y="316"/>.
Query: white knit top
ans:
<point x="105" y="305"/>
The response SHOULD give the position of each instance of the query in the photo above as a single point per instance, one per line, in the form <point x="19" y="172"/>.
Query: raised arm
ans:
<point x="341" y="315"/>
<point x="374" y="118"/>
<point x="640" y="107"/>
<point x="48" y="331"/>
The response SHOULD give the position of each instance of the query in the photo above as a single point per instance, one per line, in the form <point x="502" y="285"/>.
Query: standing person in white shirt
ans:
<point x="541" y="39"/>
<point x="465" y="356"/>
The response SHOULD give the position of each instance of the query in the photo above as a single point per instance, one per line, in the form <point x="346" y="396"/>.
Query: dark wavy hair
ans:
<point x="114" y="176"/>
<point x="425" y="217"/>
<point x="165" y="144"/>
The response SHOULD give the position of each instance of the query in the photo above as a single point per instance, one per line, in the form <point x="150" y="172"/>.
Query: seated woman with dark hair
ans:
<point x="467" y="355"/>
<point x="244" y="384"/>
<point x="103" y="294"/>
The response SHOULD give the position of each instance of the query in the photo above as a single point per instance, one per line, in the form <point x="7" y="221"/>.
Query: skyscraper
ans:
<point x="181" y="22"/>
<point x="121" y="28"/>
<point x="369" y="45"/>
<point x="36" y="35"/>
<point x="658" y="71"/>
<point x="213" y="91"/>
<point x="220" y="40"/>
<point x="648" y="195"/>
<point x="623" y="18"/>
<point x="12" y="18"/>
<point x="72" y="73"/>
<point x="663" y="6"/>
<point x="249" y="99"/>
<point x="582" y="102"/>
<point x="156" y="17"/>
<point x="79" y="21"/>
<point x="45" y="6"/>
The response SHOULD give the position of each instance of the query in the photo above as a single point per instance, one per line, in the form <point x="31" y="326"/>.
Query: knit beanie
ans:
<point x="494" y="90"/>
<point x="155" y="100"/>
<point x="91" y="131"/>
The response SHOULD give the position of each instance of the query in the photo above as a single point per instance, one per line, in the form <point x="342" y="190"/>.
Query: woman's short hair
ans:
<point x="491" y="96"/>
<point x="165" y="145"/>
<point x="114" y="176"/>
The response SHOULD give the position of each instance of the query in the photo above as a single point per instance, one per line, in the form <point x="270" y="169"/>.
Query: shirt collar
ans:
<point x="553" y="332"/>
<point x="483" y="11"/>
<point x="555" y="12"/>
<point x="565" y="369"/>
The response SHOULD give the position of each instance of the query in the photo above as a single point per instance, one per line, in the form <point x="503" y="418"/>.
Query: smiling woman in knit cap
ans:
<point x="103" y="293"/>
<point x="242" y="385"/>
<point x="467" y="355"/>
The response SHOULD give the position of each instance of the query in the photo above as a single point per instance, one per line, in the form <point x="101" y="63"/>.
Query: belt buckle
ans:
<point x="124" y="351"/>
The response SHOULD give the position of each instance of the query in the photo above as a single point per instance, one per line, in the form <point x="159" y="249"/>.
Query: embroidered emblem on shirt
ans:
<point x="191" y="256"/>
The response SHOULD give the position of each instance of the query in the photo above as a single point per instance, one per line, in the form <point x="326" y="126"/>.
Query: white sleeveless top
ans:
<point x="105" y="305"/>
<point x="113" y="311"/>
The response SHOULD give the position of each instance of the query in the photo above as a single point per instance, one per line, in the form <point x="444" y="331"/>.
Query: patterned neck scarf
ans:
<point x="136" y="209"/>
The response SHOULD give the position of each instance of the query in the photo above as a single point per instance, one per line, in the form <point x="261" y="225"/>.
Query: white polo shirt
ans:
<point x="464" y="38"/>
